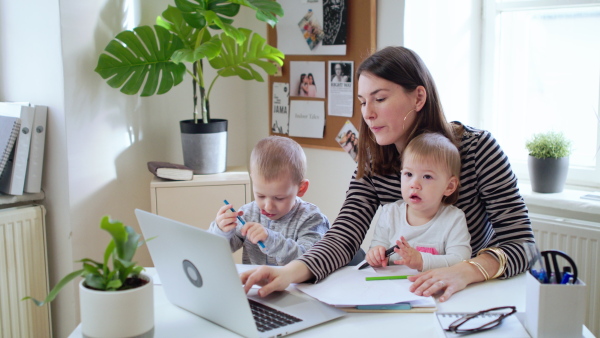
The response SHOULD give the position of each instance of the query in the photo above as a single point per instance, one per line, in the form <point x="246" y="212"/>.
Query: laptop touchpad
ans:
<point x="284" y="299"/>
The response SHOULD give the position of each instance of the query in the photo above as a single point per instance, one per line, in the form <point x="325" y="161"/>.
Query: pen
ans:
<point x="388" y="253"/>
<point x="262" y="246"/>
<point x="386" y="277"/>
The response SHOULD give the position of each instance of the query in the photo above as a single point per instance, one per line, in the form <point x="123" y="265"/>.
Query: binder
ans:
<point x="12" y="180"/>
<point x="9" y="130"/>
<point x="33" y="178"/>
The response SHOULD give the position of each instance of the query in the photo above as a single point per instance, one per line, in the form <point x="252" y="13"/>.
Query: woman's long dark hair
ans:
<point x="405" y="68"/>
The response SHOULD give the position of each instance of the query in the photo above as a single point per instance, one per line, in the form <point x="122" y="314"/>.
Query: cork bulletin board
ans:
<point x="360" y="43"/>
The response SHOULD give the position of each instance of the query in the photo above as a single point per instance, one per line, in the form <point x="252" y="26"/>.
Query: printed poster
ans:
<point x="281" y="115"/>
<point x="313" y="27"/>
<point x="341" y="88"/>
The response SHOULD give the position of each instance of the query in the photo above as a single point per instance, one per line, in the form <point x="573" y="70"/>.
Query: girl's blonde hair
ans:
<point x="436" y="149"/>
<point x="276" y="156"/>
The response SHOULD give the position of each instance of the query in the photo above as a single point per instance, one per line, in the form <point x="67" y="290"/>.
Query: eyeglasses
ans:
<point x="482" y="320"/>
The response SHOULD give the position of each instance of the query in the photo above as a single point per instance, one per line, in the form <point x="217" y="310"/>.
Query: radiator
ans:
<point x="23" y="272"/>
<point x="581" y="241"/>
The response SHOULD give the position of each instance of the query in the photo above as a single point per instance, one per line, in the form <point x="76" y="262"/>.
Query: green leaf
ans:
<point x="96" y="282"/>
<point x="142" y="58"/>
<point x="208" y="50"/>
<point x="117" y="230"/>
<point x="173" y="21"/>
<point x="131" y="245"/>
<point x="266" y="10"/>
<point x="114" y="284"/>
<point x="66" y="279"/>
<point x="200" y="13"/>
<point x="238" y="60"/>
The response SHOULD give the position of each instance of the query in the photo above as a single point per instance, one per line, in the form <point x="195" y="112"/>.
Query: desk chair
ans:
<point x="358" y="257"/>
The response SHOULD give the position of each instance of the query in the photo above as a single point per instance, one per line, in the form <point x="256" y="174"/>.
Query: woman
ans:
<point x="339" y="75"/>
<point x="399" y="101"/>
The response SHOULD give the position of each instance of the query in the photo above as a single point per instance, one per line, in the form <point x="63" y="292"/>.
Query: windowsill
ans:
<point x="566" y="204"/>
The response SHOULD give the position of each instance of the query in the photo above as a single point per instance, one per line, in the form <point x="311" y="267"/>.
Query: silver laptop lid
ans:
<point x="199" y="275"/>
<point x="203" y="281"/>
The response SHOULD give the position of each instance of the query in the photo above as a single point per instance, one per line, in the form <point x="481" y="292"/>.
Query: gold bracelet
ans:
<point x="480" y="268"/>
<point x="500" y="256"/>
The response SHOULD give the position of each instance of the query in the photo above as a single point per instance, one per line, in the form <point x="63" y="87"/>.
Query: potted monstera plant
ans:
<point x="548" y="161"/>
<point x="151" y="60"/>
<point x="116" y="299"/>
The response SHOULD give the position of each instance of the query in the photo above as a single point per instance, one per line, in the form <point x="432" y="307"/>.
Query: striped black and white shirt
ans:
<point x="495" y="211"/>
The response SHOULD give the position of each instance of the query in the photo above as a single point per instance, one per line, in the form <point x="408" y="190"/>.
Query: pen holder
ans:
<point x="554" y="310"/>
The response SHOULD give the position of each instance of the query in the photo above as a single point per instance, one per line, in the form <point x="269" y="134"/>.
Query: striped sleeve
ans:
<point x="489" y="196"/>
<point x="348" y="231"/>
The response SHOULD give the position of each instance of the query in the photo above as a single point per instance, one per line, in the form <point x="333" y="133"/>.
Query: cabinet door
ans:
<point x="198" y="205"/>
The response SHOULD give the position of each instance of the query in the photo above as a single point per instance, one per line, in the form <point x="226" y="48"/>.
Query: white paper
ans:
<point x="307" y="118"/>
<point x="341" y="90"/>
<point x="281" y="108"/>
<point x="301" y="30"/>
<point x="348" y="287"/>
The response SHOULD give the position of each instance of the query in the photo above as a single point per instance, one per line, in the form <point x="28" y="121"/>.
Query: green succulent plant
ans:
<point x="99" y="275"/>
<point x="549" y="145"/>
<point x="152" y="59"/>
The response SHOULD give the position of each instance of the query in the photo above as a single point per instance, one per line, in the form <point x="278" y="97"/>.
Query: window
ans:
<point x="517" y="68"/>
<point x="543" y="59"/>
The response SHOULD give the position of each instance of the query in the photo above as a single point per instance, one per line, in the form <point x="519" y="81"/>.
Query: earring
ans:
<point x="412" y="110"/>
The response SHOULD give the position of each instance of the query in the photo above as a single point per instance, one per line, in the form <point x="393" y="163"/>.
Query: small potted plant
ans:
<point x="117" y="301"/>
<point x="152" y="60"/>
<point x="548" y="161"/>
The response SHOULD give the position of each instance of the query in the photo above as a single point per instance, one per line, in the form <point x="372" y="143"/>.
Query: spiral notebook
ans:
<point x="510" y="326"/>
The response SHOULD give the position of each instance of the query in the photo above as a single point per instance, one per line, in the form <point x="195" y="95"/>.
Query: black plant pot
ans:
<point x="548" y="175"/>
<point x="204" y="146"/>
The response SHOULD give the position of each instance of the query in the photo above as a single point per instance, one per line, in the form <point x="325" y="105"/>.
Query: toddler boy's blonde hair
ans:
<point x="276" y="156"/>
<point x="436" y="149"/>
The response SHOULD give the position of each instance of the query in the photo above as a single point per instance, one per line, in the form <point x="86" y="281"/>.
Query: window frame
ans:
<point x="490" y="21"/>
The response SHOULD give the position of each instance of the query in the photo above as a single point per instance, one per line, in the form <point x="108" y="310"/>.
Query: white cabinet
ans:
<point x="196" y="202"/>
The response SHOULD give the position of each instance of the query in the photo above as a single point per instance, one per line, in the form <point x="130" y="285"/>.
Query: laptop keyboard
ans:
<point x="267" y="318"/>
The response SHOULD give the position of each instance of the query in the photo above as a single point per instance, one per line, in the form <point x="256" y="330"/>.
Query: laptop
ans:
<point x="198" y="274"/>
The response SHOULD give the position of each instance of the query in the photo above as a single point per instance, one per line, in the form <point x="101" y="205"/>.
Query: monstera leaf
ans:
<point x="142" y="57"/>
<point x="217" y="13"/>
<point x="237" y="60"/>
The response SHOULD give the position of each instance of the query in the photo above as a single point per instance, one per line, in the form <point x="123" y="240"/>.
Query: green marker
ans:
<point x="387" y="277"/>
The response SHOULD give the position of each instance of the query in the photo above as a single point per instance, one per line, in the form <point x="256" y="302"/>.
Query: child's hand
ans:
<point x="410" y="256"/>
<point x="227" y="219"/>
<point x="376" y="256"/>
<point x="254" y="232"/>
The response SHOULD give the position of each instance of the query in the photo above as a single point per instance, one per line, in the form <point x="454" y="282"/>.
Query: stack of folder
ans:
<point x="22" y="147"/>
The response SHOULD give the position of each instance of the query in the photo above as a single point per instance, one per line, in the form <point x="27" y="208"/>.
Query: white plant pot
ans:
<point x="128" y="313"/>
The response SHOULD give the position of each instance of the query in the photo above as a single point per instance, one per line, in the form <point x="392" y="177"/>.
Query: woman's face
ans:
<point x="386" y="108"/>
<point x="338" y="69"/>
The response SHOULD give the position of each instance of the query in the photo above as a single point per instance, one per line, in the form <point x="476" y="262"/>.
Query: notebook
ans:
<point x="198" y="274"/>
<point x="510" y="326"/>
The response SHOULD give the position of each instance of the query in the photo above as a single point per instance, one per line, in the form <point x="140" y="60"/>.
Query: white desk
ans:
<point x="172" y="321"/>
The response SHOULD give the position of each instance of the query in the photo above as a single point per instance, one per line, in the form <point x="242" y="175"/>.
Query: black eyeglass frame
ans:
<point x="454" y="327"/>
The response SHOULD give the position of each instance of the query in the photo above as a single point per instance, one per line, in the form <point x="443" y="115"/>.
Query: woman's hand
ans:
<point x="275" y="278"/>
<point x="447" y="280"/>
<point x="452" y="279"/>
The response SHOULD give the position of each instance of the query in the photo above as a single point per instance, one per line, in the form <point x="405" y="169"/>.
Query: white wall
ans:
<point x="99" y="140"/>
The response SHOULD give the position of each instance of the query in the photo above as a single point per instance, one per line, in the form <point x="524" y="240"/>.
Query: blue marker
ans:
<point x="262" y="246"/>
